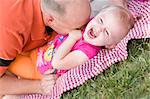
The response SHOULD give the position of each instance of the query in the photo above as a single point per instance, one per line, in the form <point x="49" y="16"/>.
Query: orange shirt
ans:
<point x="21" y="27"/>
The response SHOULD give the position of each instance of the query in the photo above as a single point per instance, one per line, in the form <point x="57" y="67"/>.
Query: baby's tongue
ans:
<point x="91" y="33"/>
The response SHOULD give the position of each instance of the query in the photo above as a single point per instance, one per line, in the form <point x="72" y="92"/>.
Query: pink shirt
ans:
<point x="88" y="49"/>
<point x="45" y="55"/>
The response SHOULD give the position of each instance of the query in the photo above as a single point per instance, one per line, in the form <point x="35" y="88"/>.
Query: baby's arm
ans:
<point x="63" y="58"/>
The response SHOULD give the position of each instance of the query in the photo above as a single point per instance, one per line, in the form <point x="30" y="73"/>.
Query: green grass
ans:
<point x="129" y="79"/>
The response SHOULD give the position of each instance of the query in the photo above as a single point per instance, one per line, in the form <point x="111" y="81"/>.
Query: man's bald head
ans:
<point x="78" y="10"/>
<point x="72" y="12"/>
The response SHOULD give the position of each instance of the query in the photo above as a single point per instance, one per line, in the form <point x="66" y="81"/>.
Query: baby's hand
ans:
<point x="75" y="34"/>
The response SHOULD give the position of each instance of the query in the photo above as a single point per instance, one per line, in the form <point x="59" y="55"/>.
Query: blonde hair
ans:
<point x="122" y="13"/>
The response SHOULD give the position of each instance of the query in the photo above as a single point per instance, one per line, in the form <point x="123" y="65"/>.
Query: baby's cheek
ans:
<point x="89" y="25"/>
<point x="101" y="39"/>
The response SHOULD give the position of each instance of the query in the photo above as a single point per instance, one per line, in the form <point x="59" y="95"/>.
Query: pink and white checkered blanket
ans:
<point x="105" y="58"/>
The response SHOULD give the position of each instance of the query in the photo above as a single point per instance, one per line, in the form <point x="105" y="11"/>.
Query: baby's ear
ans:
<point x="134" y="18"/>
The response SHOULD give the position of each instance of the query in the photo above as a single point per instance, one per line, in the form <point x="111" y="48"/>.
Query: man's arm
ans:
<point x="12" y="85"/>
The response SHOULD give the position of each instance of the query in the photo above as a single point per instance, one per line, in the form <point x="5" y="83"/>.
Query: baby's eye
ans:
<point x="106" y="32"/>
<point x="101" y="21"/>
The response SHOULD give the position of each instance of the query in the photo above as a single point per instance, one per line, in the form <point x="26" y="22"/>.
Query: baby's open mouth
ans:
<point x="91" y="34"/>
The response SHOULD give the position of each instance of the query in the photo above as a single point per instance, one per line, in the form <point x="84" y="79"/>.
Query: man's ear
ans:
<point x="49" y="20"/>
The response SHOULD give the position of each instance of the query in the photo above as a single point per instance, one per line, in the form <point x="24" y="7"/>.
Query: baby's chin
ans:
<point x="90" y="42"/>
<point x="87" y="40"/>
<point x="87" y="37"/>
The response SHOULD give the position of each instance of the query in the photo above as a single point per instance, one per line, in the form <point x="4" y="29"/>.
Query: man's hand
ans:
<point x="48" y="82"/>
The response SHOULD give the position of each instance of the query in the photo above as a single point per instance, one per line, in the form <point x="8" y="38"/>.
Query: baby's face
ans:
<point x="105" y="29"/>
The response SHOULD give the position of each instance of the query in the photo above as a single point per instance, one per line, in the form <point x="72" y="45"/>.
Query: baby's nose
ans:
<point x="102" y="29"/>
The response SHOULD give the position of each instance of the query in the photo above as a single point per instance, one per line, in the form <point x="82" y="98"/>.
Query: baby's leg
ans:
<point x="24" y="66"/>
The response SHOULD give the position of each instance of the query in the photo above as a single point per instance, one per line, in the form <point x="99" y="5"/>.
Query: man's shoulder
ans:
<point x="15" y="13"/>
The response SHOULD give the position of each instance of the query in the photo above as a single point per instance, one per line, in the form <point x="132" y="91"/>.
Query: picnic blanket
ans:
<point x="105" y="58"/>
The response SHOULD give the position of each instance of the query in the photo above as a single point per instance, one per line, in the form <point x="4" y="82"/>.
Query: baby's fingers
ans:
<point x="50" y="71"/>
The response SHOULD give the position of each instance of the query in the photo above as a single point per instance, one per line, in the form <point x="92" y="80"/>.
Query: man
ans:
<point x="22" y="24"/>
<point x="22" y="28"/>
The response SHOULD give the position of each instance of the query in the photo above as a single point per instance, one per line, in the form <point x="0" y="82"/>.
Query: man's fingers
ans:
<point x="49" y="77"/>
<point x="47" y="86"/>
<point x="48" y="83"/>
